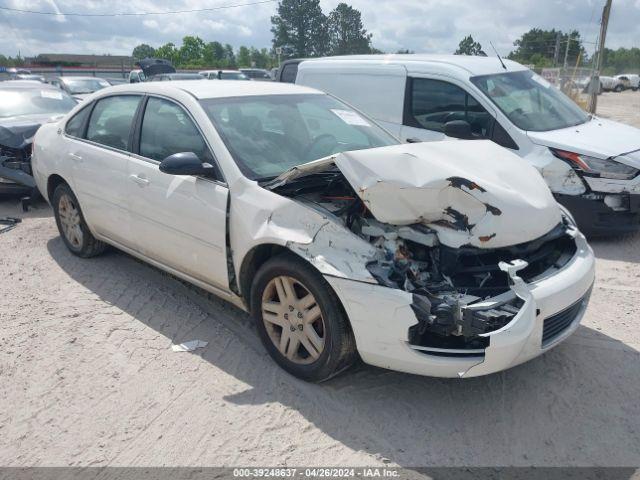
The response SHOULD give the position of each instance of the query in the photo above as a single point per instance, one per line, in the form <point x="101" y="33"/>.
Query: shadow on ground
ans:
<point x="576" y="405"/>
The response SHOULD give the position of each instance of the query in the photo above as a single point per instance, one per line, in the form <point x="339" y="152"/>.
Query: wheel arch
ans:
<point x="52" y="183"/>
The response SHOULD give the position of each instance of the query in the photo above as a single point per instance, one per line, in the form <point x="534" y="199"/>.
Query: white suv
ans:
<point x="591" y="164"/>
<point x="336" y="237"/>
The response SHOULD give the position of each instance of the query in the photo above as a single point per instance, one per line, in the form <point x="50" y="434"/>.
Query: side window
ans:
<point x="112" y="119"/>
<point x="289" y="73"/>
<point x="167" y="129"/>
<point x="75" y="124"/>
<point x="433" y="103"/>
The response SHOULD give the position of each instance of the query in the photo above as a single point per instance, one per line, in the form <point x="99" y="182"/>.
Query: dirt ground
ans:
<point x="88" y="376"/>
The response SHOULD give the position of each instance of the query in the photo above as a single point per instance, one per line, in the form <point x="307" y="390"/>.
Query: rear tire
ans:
<point x="300" y="320"/>
<point x="618" y="88"/>
<point x="72" y="226"/>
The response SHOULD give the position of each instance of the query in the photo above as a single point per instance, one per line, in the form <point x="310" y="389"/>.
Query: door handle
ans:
<point x="143" y="182"/>
<point x="75" y="157"/>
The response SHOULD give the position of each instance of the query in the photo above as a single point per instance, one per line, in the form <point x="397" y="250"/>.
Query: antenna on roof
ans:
<point x="497" y="55"/>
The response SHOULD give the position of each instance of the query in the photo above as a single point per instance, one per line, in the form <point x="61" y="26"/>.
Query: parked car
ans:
<point x="29" y="76"/>
<point x="149" y="68"/>
<point x="116" y="81"/>
<point x="172" y="77"/>
<point x="611" y="84"/>
<point x="80" y="87"/>
<point x="24" y="106"/>
<point x="446" y="258"/>
<point x="136" y="76"/>
<point x="224" y="75"/>
<point x="258" y="74"/>
<point x="591" y="164"/>
<point x="630" y="80"/>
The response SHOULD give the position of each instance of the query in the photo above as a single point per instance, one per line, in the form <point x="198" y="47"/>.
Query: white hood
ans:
<point x="470" y="192"/>
<point x="599" y="138"/>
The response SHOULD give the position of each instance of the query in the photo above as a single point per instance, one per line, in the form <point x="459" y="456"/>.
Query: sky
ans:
<point x="424" y="26"/>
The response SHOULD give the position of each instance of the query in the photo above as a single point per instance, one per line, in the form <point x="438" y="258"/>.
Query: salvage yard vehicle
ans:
<point x="449" y="259"/>
<point x="591" y="164"/>
<point x="80" y="87"/>
<point x="630" y="80"/>
<point x="24" y="106"/>
<point x="172" y="77"/>
<point x="224" y="75"/>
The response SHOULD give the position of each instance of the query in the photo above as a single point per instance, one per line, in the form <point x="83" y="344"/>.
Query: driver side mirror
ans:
<point x="458" y="129"/>
<point x="186" y="163"/>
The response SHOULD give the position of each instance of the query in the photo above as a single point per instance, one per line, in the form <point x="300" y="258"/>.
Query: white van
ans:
<point x="590" y="164"/>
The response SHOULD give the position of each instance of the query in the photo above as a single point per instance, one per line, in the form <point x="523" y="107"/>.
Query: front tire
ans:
<point x="72" y="226"/>
<point x="300" y="320"/>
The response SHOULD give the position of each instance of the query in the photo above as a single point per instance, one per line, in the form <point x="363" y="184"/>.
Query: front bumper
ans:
<point x="380" y="318"/>
<point x="595" y="218"/>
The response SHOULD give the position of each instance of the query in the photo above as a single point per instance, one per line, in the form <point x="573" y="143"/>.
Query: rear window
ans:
<point x="20" y="102"/>
<point x="289" y="73"/>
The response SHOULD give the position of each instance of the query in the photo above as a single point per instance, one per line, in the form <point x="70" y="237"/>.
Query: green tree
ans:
<point x="192" y="51"/>
<point x="244" y="57"/>
<point x="229" y="56"/>
<point x="214" y="54"/>
<point x="301" y="26"/>
<point x="542" y="44"/>
<point x="347" y="34"/>
<point x="143" y="51"/>
<point x="168" y="51"/>
<point x="468" y="46"/>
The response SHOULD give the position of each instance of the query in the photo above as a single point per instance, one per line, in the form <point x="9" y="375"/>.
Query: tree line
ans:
<point x="548" y="48"/>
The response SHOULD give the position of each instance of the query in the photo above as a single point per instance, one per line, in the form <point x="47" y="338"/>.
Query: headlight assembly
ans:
<point x="597" y="166"/>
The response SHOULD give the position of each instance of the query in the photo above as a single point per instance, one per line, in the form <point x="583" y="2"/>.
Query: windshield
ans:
<point x="233" y="76"/>
<point x="88" y="85"/>
<point x="15" y="103"/>
<point x="268" y="135"/>
<point x="530" y="102"/>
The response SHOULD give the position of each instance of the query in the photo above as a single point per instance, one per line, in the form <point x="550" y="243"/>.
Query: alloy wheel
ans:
<point x="70" y="221"/>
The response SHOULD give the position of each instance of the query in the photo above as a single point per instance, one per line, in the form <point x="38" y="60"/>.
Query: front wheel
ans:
<point x="71" y="224"/>
<point x="300" y="320"/>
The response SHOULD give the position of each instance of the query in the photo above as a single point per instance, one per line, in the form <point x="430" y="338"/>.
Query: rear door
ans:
<point x="177" y="220"/>
<point x="98" y="150"/>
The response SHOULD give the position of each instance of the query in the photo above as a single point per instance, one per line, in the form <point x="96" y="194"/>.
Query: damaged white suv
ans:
<point x="339" y="240"/>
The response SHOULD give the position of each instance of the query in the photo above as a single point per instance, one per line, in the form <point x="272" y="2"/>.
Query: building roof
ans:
<point x="89" y="60"/>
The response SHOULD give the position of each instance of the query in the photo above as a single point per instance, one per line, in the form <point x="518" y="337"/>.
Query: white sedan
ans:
<point x="446" y="258"/>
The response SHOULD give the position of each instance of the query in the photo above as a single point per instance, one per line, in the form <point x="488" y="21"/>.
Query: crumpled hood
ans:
<point x="598" y="137"/>
<point x="18" y="132"/>
<point x="155" y="66"/>
<point x="470" y="192"/>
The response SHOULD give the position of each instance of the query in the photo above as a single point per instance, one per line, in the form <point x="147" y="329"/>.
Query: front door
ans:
<point x="178" y="220"/>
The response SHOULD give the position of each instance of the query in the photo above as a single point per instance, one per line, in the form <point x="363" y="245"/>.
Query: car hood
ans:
<point x="155" y="66"/>
<point x="598" y="137"/>
<point x="470" y="192"/>
<point x="18" y="132"/>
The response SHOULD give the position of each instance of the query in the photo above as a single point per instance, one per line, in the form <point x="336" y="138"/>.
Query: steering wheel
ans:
<point x="325" y="137"/>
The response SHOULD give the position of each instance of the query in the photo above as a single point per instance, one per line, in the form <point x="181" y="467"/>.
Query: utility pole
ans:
<point x="556" y="52"/>
<point x="566" y="51"/>
<point x="595" y="79"/>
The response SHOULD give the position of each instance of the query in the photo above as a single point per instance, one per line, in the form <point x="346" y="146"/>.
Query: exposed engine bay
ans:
<point x="459" y="292"/>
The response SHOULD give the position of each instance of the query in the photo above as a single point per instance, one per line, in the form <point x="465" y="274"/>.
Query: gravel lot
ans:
<point x="89" y="377"/>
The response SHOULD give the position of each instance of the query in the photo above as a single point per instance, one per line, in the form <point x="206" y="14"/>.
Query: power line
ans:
<point x="134" y="14"/>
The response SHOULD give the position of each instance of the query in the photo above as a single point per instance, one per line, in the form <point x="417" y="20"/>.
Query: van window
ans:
<point x="432" y="103"/>
<point x="289" y="73"/>
<point x="111" y="121"/>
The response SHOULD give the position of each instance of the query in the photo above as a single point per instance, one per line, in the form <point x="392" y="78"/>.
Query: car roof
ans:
<point x="79" y="77"/>
<point x="26" y="85"/>
<point x="217" y="89"/>
<point x="474" y="65"/>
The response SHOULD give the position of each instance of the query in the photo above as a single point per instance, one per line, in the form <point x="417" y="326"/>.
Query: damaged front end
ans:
<point x="443" y="232"/>
<point x="15" y="158"/>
